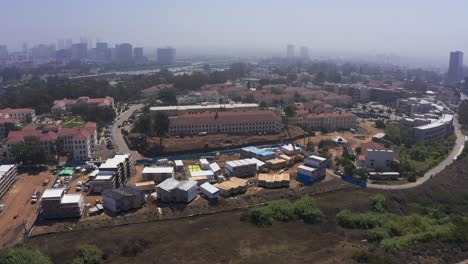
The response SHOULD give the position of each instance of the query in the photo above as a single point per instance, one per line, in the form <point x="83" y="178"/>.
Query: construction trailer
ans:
<point x="289" y="160"/>
<point x="172" y="190"/>
<point x="290" y="150"/>
<point x="210" y="191"/>
<point x="265" y="155"/>
<point x="308" y="175"/>
<point x="273" y="180"/>
<point x="276" y="164"/>
<point x="248" y="152"/>
<point x="215" y="168"/>
<point x="179" y="165"/>
<point x="316" y="162"/>
<point x="240" y="168"/>
<point x="157" y="174"/>
<point x="124" y="199"/>
<point x="204" y="164"/>
<point x="261" y="166"/>
<point x="104" y="180"/>
<point x="55" y="204"/>
<point x="7" y="178"/>
<point x="232" y="186"/>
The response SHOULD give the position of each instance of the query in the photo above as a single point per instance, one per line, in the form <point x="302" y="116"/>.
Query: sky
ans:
<point x="420" y="28"/>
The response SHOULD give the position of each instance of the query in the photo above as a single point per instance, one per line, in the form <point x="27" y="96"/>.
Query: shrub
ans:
<point x="88" y="254"/>
<point x="347" y="218"/>
<point x="378" y="203"/>
<point x="362" y="256"/>
<point x="22" y="254"/>
<point x="261" y="216"/>
<point x="283" y="210"/>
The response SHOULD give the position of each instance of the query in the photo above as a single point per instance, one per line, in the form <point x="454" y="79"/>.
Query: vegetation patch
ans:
<point x="394" y="232"/>
<point x="304" y="209"/>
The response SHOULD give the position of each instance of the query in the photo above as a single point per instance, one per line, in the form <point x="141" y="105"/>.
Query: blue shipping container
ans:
<point x="307" y="179"/>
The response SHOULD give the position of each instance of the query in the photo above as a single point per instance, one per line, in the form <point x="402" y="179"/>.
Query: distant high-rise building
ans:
<point x="84" y="40"/>
<point x="466" y="83"/>
<point x="63" y="55"/>
<point x="68" y="43"/>
<point x="304" y="52"/>
<point x="124" y="52"/>
<point x="60" y="44"/>
<point x="138" y="55"/>
<point x="102" y="52"/>
<point x="79" y="51"/>
<point x="3" y="52"/>
<point x="166" y="56"/>
<point x="43" y="52"/>
<point x="455" y="73"/>
<point x="290" y="51"/>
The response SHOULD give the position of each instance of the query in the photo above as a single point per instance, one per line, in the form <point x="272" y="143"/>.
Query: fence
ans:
<point x="353" y="181"/>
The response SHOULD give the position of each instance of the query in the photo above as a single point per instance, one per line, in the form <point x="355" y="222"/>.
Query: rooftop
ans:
<point x="158" y="170"/>
<point x="71" y="199"/>
<point x="53" y="193"/>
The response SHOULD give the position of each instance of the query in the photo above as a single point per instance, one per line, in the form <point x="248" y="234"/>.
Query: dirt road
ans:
<point x="19" y="212"/>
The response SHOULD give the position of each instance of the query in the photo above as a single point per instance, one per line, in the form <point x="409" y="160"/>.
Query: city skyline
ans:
<point x="361" y="26"/>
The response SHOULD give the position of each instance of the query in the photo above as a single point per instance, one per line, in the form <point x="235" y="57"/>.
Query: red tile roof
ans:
<point x="7" y="120"/>
<point x="370" y="145"/>
<point x="224" y="117"/>
<point x="16" y="110"/>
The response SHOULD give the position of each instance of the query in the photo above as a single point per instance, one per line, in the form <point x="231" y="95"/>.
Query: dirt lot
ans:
<point x="223" y="238"/>
<point x="222" y="140"/>
<point x="18" y="208"/>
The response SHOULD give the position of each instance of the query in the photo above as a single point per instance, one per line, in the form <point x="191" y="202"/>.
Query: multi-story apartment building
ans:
<point x="426" y="129"/>
<point x="23" y="115"/>
<point x="79" y="143"/>
<point x="6" y="124"/>
<point x="192" y="109"/>
<point x="413" y="106"/>
<point x="325" y="121"/>
<point x="66" y="104"/>
<point x="232" y="122"/>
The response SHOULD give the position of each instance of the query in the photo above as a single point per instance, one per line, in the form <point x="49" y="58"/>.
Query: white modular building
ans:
<point x="172" y="190"/>
<point x="123" y="199"/>
<point x="204" y="164"/>
<point x="240" y="168"/>
<point x="157" y="174"/>
<point x="56" y="204"/>
<point x="210" y="191"/>
<point x="7" y="178"/>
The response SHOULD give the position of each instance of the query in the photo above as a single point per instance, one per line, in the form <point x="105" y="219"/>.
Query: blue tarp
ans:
<point x="353" y="181"/>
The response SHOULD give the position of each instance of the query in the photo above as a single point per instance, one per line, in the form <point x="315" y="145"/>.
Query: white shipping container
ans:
<point x="315" y="161"/>
<point x="305" y="170"/>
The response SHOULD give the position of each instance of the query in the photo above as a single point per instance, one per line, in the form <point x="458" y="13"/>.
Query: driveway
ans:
<point x="119" y="142"/>
<point x="459" y="143"/>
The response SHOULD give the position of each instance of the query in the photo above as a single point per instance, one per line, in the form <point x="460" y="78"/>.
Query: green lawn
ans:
<point x="73" y="122"/>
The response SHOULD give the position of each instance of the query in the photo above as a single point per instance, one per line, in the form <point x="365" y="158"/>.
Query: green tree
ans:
<point x="88" y="254"/>
<point x="349" y="170"/>
<point x="160" y="126"/>
<point x="29" y="152"/>
<point x="362" y="173"/>
<point x="168" y="96"/>
<point x="290" y="110"/>
<point x="310" y="146"/>
<point x="249" y="99"/>
<point x="380" y="124"/>
<point x="378" y="203"/>
<point x="263" y="104"/>
<point x="22" y="254"/>
<point x="463" y="113"/>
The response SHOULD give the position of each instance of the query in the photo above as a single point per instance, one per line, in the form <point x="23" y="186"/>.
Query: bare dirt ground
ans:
<point x="222" y="140"/>
<point x="19" y="212"/>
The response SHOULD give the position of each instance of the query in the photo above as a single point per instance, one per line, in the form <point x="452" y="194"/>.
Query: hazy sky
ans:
<point x="419" y="27"/>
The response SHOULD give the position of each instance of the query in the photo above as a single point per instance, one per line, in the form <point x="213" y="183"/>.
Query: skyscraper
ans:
<point x="290" y="52"/>
<point x="79" y="51"/>
<point x="138" y="55"/>
<point x="166" y="56"/>
<point x="304" y="52"/>
<point x="3" y="52"/>
<point x="124" y="52"/>
<point x="455" y="73"/>
<point x="103" y="53"/>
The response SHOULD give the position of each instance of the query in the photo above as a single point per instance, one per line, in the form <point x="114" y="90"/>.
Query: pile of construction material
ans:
<point x="273" y="180"/>
<point x="232" y="186"/>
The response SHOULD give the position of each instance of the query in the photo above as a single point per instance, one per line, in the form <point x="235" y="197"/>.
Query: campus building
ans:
<point x="375" y="156"/>
<point x="193" y="109"/>
<point x="425" y="129"/>
<point x="326" y="121"/>
<point x="249" y="122"/>
<point x="23" y="115"/>
<point x="64" y="105"/>
<point x="79" y="143"/>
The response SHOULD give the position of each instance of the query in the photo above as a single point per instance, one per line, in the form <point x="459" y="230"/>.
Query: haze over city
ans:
<point x="363" y="27"/>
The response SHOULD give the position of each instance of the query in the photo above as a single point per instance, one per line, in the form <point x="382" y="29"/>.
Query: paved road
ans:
<point x="460" y="142"/>
<point x="119" y="142"/>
